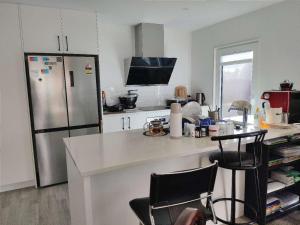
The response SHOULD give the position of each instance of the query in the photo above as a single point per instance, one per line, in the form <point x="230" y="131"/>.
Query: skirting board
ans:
<point x="11" y="187"/>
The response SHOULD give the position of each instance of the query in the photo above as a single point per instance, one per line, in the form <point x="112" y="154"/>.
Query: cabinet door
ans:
<point x="51" y="157"/>
<point x="80" y="32"/>
<point x="136" y="120"/>
<point x="81" y="89"/>
<point x="113" y="123"/>
<point x="47" y="90"/>
<point x="41" y="29"/>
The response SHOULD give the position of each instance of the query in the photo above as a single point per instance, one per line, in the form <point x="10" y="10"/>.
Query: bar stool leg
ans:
<point x="233" y="197"/>
<point x="257" y="184"/>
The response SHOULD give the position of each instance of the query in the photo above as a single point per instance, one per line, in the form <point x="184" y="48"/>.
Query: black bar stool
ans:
<point x="237" y="160"/>
<point x="172" y="193"/>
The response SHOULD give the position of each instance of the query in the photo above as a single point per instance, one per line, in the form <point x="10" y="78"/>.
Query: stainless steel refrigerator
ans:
<point x="64" y="101"/>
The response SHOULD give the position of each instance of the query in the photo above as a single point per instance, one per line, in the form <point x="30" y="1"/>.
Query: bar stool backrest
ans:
<point x="183" y="186"/>
<point x="171" y="193"/>
<point x="258" y="138"/>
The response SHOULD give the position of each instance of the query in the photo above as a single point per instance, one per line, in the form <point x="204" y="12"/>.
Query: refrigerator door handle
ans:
<point x="67" y="44"/>
<point x="58" y="41"/>
<point x="71" y="73"/>
<point x="129" y="122"/>
<point x="123" y="125"/>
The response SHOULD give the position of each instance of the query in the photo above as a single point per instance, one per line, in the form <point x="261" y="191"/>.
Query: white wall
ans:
<point x="278" y="30"/>
<point x="16" y="160"/>
<point x="117" y="43"/>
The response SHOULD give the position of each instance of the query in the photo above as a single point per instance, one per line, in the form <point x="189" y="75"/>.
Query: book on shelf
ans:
<point x="290" y="151"/>
<point x="286" y="174"/>
<point x="281" y="200"/>
<point x="274" y="185"/>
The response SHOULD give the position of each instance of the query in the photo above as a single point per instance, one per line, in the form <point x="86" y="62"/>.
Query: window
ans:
<point x="237" y="57"/>
<point x="234" y="76"/>
<point x="236" y="81"/>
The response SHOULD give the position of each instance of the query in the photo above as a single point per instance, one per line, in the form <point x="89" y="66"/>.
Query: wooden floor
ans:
<point x="30" y="206"/>
<point x="49" y="206"/>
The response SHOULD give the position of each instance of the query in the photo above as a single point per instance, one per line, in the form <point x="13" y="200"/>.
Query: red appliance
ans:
<point x="289" y="101"/>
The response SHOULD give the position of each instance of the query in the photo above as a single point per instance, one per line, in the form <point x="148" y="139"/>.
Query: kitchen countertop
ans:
<point x="138" y="109"/>
<point x="99" y="153"/>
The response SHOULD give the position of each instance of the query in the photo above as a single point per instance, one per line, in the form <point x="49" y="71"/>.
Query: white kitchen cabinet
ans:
<point x="42" y="30"/>
<point x="136" y="120"/>
<point x="54" y="30"/>
<point x="114" y="122"/>
<point x="80" y="32"/>
<point x="16" y="158"/>
<point x="129" y="121"/>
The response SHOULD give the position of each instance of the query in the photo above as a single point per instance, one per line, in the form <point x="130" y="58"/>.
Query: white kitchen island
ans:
<point x="106" y="171"/>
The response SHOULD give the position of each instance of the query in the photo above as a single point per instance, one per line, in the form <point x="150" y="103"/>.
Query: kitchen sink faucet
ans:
<point x="243" y="106"/>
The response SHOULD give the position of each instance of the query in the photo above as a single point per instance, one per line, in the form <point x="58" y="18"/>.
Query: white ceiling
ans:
<point x="186" y="14"/>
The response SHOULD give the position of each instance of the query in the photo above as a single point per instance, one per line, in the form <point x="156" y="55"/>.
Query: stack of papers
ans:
<point x="290" y="159"/>
<point x="286" y="175"/>
<point x="288" y="151"/>
<point x="275" y="160"/>
<point x="282" y="177"/>
<point x="274" y="186"/>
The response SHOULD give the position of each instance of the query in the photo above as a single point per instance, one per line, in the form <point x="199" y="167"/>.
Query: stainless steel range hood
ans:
<point x="149" y="66"/>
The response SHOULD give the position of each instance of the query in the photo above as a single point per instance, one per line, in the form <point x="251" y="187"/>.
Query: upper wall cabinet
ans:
<point x="80" y="32"/>
<point x="41" y="29"/>
<point x="59" y="31"/>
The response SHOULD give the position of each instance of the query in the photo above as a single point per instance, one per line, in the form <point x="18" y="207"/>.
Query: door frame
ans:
<point x="243" y="46"/>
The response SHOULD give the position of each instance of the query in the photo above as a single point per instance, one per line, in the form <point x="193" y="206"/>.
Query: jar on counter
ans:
<point x="204" y="131"/>
<point x="197" y="132"/>
<point x="214" y="130"/>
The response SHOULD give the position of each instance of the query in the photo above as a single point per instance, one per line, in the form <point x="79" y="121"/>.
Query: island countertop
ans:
<point x="99" y="153"/>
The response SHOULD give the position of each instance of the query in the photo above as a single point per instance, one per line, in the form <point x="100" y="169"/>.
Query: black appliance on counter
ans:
<point x="128" y="101"/>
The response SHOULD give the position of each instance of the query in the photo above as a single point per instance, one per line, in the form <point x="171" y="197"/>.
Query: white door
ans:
<point x="80" y="32"/>
<point x="115" y="122"/>
<point x="41" y="29"/>
<point x="235" y="76"/>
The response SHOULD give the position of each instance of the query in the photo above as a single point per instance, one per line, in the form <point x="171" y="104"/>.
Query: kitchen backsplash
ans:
<point x="148" y="96"/>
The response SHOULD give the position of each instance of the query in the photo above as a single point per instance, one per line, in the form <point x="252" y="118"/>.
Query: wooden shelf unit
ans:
<point x="264" y="174"/>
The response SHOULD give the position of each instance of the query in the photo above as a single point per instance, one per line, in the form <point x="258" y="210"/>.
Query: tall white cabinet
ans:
<point x="52" y="30"/>
<point x="16" y="158"/>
